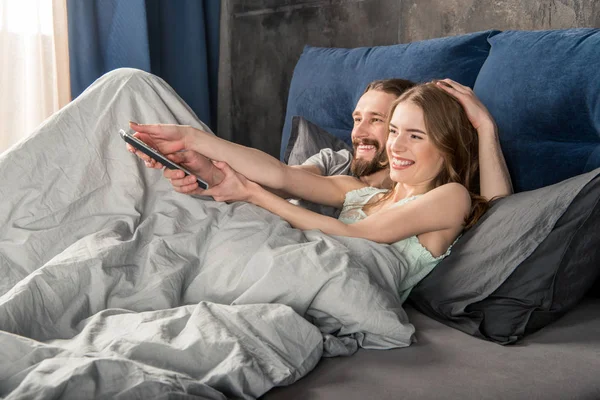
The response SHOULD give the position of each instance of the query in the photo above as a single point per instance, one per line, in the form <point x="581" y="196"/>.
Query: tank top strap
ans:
<point x="361" y="196"/>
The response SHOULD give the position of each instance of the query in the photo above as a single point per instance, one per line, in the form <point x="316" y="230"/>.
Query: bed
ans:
<point x="557" y="362"/>
<point x="513" y="311"/>
<point x="114" y="286"/>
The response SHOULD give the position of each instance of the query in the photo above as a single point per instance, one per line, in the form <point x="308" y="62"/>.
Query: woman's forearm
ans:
<point x="256" y="165"/>
<point x="493" y="172"/>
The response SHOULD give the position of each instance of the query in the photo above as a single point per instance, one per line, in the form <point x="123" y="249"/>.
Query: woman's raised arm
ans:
<point x="493" y="173"/>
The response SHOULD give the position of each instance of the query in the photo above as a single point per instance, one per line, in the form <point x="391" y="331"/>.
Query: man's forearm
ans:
<point x="254" y="164"/>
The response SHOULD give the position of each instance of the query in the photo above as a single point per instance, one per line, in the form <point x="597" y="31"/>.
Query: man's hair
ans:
<point x="394" y="86"/>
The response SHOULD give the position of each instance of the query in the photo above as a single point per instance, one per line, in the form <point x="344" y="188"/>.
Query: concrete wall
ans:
<point x="261" y="41"/>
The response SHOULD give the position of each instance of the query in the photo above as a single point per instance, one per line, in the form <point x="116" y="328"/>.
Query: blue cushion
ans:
<point x="543" y="89"/>
<point x="327" y="82"/>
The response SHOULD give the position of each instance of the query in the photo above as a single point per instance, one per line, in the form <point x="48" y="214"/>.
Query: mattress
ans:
<point x="561" y="361"/>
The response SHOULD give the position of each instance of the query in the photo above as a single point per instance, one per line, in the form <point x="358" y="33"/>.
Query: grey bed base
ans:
<point x="561" y="361"/>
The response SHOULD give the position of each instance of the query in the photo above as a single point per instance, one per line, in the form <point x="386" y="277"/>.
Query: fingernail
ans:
<point x="133" y="123"/>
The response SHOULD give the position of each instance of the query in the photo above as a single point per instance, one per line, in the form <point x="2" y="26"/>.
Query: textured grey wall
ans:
<point x="261" y="41"/>
<point x="425" y="19"/>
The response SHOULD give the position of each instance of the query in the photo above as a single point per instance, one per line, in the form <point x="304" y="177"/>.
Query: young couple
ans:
<point x="426" y="161"/>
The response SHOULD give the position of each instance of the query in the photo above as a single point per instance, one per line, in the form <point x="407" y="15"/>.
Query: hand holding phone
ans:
<point x="157" y="156"/>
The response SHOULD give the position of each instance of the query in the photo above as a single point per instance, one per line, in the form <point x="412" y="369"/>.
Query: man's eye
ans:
<point x="356" y="120"/>
<point x="377" y="120"/>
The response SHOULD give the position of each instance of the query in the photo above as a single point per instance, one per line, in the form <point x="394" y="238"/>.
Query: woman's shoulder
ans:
<point x="452" y="191"/>
<point x="454" y="188"/>
<point x="454" y="196"/>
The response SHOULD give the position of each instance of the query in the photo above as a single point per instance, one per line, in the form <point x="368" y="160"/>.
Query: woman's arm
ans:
<point x="442" y="208"/>
<point x="254" y="164"/>
<point x="494" y="178"/>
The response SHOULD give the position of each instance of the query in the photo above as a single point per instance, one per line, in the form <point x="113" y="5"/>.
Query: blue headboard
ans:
<point x="542" y="87"/>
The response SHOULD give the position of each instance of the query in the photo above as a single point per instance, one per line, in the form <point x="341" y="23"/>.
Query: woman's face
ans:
<point x="414" y="160"/>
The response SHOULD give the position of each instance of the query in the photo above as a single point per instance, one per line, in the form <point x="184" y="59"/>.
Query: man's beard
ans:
<point x="360" y="167"/>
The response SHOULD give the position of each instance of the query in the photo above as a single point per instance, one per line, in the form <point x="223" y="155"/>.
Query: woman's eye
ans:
<point x="415" y="137"/>
<point x="392" y="131"/>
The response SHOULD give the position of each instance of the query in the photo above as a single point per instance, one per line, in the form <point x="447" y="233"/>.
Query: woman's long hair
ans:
<point x="451" y="132"/>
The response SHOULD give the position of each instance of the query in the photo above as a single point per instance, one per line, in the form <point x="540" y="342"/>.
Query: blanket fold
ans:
<point x="114" y="285"/>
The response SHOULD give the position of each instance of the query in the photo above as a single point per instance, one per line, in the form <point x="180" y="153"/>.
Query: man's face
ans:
<point x="370" y="132"/>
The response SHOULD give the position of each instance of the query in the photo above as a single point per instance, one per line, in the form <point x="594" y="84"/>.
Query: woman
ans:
<point x="432" y="148"/>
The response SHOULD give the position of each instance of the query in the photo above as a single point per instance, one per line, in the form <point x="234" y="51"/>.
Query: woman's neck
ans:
<point x="380" y="179"/>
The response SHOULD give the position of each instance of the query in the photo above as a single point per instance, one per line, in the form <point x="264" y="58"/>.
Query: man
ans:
<point x="369" y="134"/>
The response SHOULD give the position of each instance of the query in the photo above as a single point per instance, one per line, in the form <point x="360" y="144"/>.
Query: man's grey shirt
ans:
<point x="330" y="163"/>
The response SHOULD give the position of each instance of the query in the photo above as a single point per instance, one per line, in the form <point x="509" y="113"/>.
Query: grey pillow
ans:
<point x="311" y="145"/>
<point x="529" y="260"/>
<point x="307" y="139"/>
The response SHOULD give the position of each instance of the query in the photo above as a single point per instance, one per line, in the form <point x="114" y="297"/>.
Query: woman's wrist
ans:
<point x="255" y="193"/>
<point x="195" y="140"/>
<point x="488" y="130"/>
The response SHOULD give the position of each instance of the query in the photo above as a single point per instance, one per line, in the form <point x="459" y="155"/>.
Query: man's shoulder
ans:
<point x="332" y="162"/>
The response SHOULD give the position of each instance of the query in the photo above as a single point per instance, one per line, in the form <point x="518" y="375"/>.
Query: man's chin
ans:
<point x="365" y="160"/>
<point x="360" y="168"/>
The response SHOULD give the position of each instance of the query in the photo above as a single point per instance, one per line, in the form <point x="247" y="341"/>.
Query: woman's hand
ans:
<point x="494" y="178"/>
<point x="234" y="187"/>
<point x="478" y="114"/>
<point x="167" y="139"/>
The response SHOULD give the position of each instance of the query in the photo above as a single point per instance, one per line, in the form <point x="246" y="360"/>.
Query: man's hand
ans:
<point x="478" y="114"/>
<point x="234" y="187"/>
<point x="198" y="165"/>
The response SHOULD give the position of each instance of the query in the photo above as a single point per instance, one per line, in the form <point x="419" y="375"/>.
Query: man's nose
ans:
<point x="360" y="130"/>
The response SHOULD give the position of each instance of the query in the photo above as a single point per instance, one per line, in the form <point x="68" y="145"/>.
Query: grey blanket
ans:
<point x="115" y="286"/>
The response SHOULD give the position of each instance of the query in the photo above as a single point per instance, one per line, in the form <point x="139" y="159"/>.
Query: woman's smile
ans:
<point x="401" y="163"/>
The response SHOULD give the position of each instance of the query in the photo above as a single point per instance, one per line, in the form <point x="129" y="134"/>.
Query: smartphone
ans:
<point x="155" y="154"/>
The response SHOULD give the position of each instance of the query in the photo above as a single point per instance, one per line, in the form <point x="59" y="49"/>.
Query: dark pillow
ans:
<point x="529" y="260"/>
<point x="542" y="89"/>
<point x="327" y="82"/>
<point x="307" y="139"/>
<point x="312" y="145"/>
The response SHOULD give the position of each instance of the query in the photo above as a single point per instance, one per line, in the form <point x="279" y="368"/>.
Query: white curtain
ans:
<point x="34" y="65"/>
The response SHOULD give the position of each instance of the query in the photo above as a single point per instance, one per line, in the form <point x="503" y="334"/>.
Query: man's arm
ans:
<point x="310" y="168"/>
<point x="204" y="168"/>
